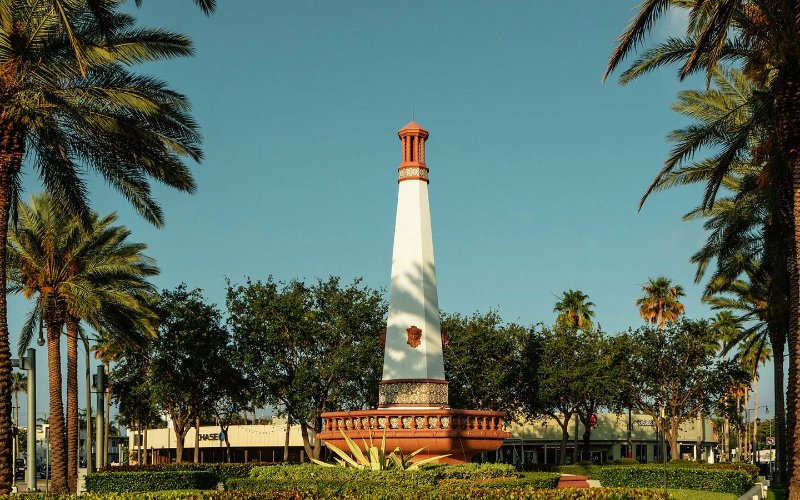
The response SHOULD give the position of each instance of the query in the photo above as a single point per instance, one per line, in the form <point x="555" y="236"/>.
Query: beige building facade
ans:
<point x="539" y="441"/>
<point x="532" y="442"/>
<point x="249" y="443"/>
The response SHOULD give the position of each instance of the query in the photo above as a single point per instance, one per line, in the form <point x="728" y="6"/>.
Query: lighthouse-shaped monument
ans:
<point x="413" y="366"/>
<point x="413" y="408"/>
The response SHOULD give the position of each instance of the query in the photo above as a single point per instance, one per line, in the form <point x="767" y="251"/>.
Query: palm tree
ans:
<point x="747" y="239"/>
<point x="764" y="38"/>
<point x="660" y="302"/>
<point x="72" y="111"/>
<point x="574" y="310"/>
<point x="92" y="275"/>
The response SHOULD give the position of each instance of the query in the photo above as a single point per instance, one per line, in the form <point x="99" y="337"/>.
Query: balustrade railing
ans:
<point x="401" y="420"/>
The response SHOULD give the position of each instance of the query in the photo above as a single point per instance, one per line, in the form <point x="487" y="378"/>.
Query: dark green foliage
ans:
<point x="188" y="359"/>
<point x="222" y="471"/>
<point x="495" y="383"/>
<point x="546" y="480"/>
<point x="310" y="347"/>
<point x="121" y="482"/>
<point x="426" y="476"/>
<point x="677" y="368"/>
<point x="724" y="478"/>
<point x="724" y="481"/>
<point x="383" y="493"/>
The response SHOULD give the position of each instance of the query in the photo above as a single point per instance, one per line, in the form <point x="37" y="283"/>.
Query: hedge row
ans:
<point x="594" y="471"/>
<point x="387" y="493"/>
<point x="222" y="470"/>
<point x="105" y="482"/>
<point x="723" y="480"/>
<point x="544" y="480"/>
<point x="430" y="475"/>
<point x="379" y="485"/>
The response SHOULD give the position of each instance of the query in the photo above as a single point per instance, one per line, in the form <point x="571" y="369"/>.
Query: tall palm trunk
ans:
<point x="738" y="428"/>
<point x="196" y="457"/>
<point x="754" y="439"/>
<point x="746" y="438"/>
<point x="780" y="409"/>
<point x="58" y="451"/>
<point x="73" y="430"/>
<point x="12" y="149"/>
<point x="787" y="107"/>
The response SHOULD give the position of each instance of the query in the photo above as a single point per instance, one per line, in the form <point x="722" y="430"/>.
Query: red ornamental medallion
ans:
<point x="414" y="336"/>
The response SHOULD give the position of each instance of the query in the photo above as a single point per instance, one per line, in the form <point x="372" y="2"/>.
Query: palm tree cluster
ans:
<point x="70" y="102"/>
<point x="76" y="275"/>
<point x="745" y="123"/>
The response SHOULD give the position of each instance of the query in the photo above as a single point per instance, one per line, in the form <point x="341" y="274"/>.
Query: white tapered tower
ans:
<point x="413" y="366"/>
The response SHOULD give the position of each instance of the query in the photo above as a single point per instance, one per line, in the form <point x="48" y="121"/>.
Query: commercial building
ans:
<point x="248" y="443"/>
<point x="533" y="442"/>
<point x="539" y="441"/>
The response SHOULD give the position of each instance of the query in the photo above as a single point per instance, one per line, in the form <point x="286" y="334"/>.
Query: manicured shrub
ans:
<point x="750" y="469"/>
<point x="545" y="480"/>
<point x="427" y="475"/>
<point x="153" y="468"/>
<point x="590" y="471"/>
<point x="625" y="461"/>
<point x="121" y="482"/>
<point x="223" y="470"/>
<point x="355" y="494"/>
<point x="693" y="478"/>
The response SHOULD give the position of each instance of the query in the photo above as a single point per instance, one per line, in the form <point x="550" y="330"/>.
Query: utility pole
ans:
<point x="28" y="363"/>
<point x="100" y="384"/>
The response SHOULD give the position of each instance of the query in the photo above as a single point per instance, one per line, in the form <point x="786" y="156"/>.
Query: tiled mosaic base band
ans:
<point x="427" y="393"/>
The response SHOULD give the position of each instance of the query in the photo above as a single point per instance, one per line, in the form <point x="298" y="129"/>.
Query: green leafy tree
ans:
<point x="310" y="348"/>
<point x="131" y="392"/>
<point x="231" y="393"/>
<point x="558" y="378"/>
<point x="603" y="382"/>
<point x="674" y="374"/>
<point x="191" y="340"/>
<point x="494" y="383"/>
<point x="65" y="111"/>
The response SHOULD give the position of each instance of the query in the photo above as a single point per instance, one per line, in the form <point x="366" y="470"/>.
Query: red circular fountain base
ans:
<point x="461" y="434"/>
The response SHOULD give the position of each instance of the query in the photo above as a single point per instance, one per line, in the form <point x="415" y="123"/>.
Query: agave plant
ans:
<point x="374" y="458"/>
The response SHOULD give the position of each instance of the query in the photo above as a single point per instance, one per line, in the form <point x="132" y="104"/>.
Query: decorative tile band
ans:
<point x="408" y="173"/>
<point x="412" y="393"/>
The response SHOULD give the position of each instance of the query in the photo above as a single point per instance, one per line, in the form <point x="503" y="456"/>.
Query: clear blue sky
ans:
<point x="536" y="166"/>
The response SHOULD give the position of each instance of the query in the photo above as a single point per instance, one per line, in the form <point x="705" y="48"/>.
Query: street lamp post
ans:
<point x="757" y="422"/>
<point x="28" y="363"/>
<point x="100" y="384"/>
<point x="755" y="440"/>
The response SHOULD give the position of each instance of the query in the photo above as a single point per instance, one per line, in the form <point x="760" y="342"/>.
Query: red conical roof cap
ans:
<point x="413" y="126"/>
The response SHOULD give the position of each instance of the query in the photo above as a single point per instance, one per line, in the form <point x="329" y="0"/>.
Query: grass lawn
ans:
<point x="776" y="492"/>
<point x="700" y="495"/>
